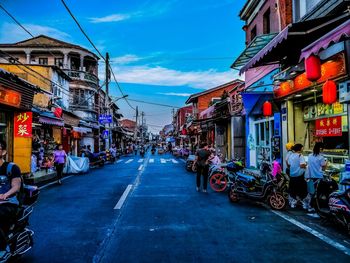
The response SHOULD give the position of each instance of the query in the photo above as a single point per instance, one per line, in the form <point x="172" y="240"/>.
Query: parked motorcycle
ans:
<point x="96" y="159"/>
<point x="260" y="187"/>
<point x="332" y="204"/>
<point x="222" y="176"/>
<point x="109" y="157"/>
<point x="19" y="238"/>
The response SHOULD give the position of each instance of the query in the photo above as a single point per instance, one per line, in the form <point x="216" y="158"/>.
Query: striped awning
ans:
<point x="51" y="121"/>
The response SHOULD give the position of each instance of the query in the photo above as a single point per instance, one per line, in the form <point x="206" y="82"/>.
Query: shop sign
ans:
<point x="329" y="127"/>
<point x="105" y="134"/>
<point x="105" y="118"/>
<point x="10" y="97"/>
<point x="329" y="70"/>
<point x="323" y="110"/>
<point x="23" y="124"/>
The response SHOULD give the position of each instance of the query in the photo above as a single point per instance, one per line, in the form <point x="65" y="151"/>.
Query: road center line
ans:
<point x="141" y="166"/>
<point x="123" y="197"/>
<point x="315" y="233"/>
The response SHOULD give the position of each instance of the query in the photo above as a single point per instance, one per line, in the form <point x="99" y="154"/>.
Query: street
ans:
<point x="163" y="219"/>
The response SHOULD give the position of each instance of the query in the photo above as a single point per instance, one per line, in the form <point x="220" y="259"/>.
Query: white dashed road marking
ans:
<point x="174" y="161"/>
<point x="162" y="160"/>
<point x="151" y="160"/>
<point x="141" y="166"/>
<point x="123" y="197"/>
<point x="129" y="161"/>
<point x="119" y="161"/>
<point x="140" y="161"/>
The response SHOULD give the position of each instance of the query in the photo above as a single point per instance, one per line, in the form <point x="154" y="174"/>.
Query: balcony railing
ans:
<point x="82" y="75"/>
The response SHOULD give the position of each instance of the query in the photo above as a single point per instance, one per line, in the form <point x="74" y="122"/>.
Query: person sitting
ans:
<point x="10" y="185"/>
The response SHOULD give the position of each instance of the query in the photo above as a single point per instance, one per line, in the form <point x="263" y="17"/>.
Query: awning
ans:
<point x="208" y="113"/>
<point x="82" y="129"/>
<point x="51" y="121"/>
<point x="254" y="47"/>
<point x="333" y="37"/>
<point x="292" y="39"/>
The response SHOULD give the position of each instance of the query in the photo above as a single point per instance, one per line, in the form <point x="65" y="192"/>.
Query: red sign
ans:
<point x="23" y="124"/>
<point x="328" y="127"/>
<point x="9" y="97"/>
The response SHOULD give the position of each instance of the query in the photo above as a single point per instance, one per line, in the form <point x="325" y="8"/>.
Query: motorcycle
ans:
<point x="96" y="159"/>
<point x="109" y="157"/>
<point x="332" y="204"/>
<point x="19" y="238"/>
<point x="222" y="176"/>
<point x="260" y="187"/>
<point x="189" y="164"/>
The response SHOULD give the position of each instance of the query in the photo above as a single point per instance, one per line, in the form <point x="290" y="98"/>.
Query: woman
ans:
<point x="316" y="165"/>
<point x="289" y="147"/>
<point x="60" y="159"/>
<point x="297" y="184"/>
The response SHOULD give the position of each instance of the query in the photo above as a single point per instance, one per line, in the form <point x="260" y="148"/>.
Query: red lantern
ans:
<point x="267" y="109"/>
<point x="313" y="68"/>
<point x="329" y="92"/>
<point x="58" y="112"/>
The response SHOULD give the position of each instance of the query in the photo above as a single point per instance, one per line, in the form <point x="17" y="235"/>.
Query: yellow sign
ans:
<point x="337" y="108"/>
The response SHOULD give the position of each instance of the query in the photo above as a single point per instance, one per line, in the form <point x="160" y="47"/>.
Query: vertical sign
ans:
<point x="23" y="124"/>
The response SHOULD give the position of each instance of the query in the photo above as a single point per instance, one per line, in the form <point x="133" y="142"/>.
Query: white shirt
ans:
<point x="314" y="165"/>
<point x="295" y="160"/>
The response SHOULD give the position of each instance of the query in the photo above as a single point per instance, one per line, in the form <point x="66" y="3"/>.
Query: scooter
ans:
<point x="19" y="238"/>
<point x="96" y="159"/>
<point x="332" y="204"/>
<point x="109" y="157"/>
<point x="260" y="187"/>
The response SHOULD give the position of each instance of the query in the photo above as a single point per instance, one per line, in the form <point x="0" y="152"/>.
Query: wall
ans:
<point x="22" y="153"/>
<point x="204" y="100"/>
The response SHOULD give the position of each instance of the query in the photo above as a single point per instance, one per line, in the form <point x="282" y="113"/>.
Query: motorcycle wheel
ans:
<point x="277" y="201"/>
<point x="233" y="196"/>
<point x="218" y="182"/>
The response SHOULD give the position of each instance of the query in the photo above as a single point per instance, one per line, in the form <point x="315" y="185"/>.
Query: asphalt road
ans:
<point x="95" y="218"/>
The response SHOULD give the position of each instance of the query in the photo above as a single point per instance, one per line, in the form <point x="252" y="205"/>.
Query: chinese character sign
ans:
<point x="104" y="118"/>
<point x="327" y="127"/>
<point x="23" y="124"/>
<point x="10" y="97"/>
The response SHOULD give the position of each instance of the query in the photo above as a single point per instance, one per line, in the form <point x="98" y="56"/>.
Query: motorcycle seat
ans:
<point x="246" y="178"/>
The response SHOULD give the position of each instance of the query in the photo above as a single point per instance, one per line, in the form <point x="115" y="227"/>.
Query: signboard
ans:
<point x="322" y="110"/>
<point x="10" y="97"/>
<point x="105" y="118"/>
<point x="23" y="124"/>
<point x="105" y="134"/>
<point x="329" y="127"/>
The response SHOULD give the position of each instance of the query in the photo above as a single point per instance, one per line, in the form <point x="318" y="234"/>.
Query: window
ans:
<point x="13" y="60"/>
<point x="59" y="62"/>
<point x="302" y="7"/>
<point x="266" y="22"/>
<point x="43" y="61"/>
<point x="253" y="33"/>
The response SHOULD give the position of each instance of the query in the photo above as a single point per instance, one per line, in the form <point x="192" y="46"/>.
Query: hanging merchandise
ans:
<point x="329" y="92"/>
<point x="313" y="68"/>
<point x="267" y="109"/>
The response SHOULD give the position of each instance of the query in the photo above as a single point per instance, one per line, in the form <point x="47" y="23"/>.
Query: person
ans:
<point x="60" y="159"/>
<point x="170" y="147"/>
<point x="276" y="166"/>
<point x="316" y="165"/>
<point x="297" y="184"/>
<point x="201" y="161"/>
<point x="289" y="147"/>
<point x="113" y="151"/>
<point x="214" y="158"/>
<point x="10" y="185"/>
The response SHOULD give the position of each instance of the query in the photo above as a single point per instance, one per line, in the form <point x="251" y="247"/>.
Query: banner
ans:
<point x="328" y="127"/>
<point x="23" y="124"/>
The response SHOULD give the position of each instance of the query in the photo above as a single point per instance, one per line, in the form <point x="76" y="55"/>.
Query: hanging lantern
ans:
<point x="329" y="92"/>
<point x="58" y="112"/>
<point x="313" y="68"/>
<point x="267" y="109"/>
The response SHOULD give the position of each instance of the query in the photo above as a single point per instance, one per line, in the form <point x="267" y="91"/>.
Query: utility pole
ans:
<point x="137" y="116"/>
<point x="142" y="115"/>
<point x="107" y="111"/>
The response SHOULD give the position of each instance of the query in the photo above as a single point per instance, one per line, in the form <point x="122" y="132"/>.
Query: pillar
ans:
<point x="65" y="60"/>
<point x="28" y="52"/>
<point x="81" y="62"/>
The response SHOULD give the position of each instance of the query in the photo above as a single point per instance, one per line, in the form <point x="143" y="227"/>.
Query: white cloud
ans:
<point x="10" y="33"/>
<point x="175" y="94"/>
<point x="126" y="59"/>
<point x="110" y="18"/>
<point x="169" y="77"/>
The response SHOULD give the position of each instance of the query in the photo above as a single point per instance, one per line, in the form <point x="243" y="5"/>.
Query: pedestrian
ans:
<point x="316" y="164"/>
<point x="297" y="185"/>
<point x="11" y="181"/>
<point x="202" y="163"/>
<point x="276" y="166"/>
<point x="289" y="148"/>
<point x="60" y="157"/>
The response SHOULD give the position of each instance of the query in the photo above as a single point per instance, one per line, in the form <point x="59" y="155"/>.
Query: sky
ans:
<point x="161" y="51"/>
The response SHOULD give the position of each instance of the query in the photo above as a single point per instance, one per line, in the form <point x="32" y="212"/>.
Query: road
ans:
<point x="147" y="210"/>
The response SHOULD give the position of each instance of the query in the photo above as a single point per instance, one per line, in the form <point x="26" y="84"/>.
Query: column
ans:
<point x="28" y="56"/>
<point x="81" y="62"/>
<point x="65" y="60"/>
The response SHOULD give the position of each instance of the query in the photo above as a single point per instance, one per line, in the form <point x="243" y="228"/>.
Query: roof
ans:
<point x="196" y="95"/>
<point x="46" y="41"/>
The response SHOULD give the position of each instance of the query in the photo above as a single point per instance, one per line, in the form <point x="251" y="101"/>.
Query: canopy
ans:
<point x="208" y="113"/>
<point x="342" y="31"/>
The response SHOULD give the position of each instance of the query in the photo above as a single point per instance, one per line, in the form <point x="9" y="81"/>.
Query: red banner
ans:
<point x="328" y="127"/>
<point x="23" y="124"/>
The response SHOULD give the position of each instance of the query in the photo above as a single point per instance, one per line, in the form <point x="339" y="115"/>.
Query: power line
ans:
<point x="153" y="103"/>
<point x="88" y="38"/>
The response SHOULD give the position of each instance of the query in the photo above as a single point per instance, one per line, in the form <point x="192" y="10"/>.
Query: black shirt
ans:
<point x="15" y="171"/>
<point x="5" y="185"/>
<point x="202" y="157"/>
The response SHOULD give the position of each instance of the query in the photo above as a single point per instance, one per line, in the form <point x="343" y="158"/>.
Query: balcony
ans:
<point x="82" y="75"/>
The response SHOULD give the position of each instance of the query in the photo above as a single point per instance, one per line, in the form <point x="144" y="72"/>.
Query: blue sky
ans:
<point x="161" y="50"/>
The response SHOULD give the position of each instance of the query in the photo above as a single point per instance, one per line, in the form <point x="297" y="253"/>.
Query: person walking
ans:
<point x="201" y="161"/>
<point x="316" y="165"/>
<point x="297" y="185"/>
<point x="60" y="157"/>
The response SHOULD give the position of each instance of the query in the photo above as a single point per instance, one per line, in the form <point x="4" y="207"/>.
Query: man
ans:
<point x="202" y="156"/>
<point x="10" y="185"/>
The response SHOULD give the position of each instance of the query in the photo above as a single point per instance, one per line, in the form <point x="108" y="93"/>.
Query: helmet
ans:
<point x="289" y="146"/>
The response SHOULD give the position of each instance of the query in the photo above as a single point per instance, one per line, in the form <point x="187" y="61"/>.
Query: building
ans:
<point x="179" y="122"/>
<point x="78" y="63"/>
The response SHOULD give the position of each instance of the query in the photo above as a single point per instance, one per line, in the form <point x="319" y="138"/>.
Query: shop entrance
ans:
<point x="263" y="137"/>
